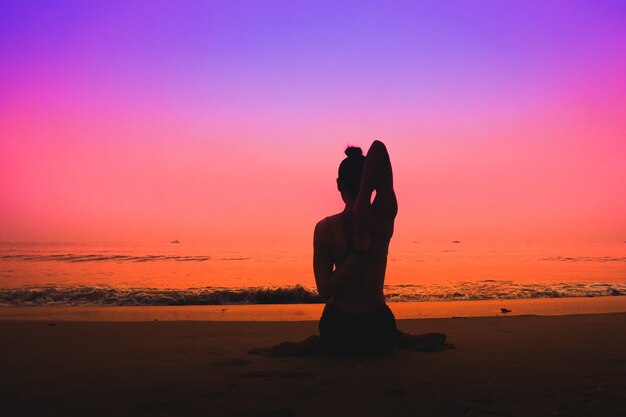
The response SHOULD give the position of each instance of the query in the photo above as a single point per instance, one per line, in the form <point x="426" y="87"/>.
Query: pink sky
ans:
<point x="215" y="123"/>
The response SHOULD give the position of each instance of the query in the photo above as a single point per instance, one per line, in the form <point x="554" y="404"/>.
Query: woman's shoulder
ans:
<point x="324" y="227"/>
<point x="330" y="220"/>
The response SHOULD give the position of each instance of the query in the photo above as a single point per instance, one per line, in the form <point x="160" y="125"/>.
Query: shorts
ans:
<point x="344" y="333"/>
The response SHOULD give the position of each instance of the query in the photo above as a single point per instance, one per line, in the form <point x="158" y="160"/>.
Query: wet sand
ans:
<point x="571" y="365"/>
<point x="306" y="312"/>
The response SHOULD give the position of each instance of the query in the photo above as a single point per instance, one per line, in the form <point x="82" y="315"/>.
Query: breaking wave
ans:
<point x="73" y="258"/>
<point x="500" y="290"/>
<point x="460" y="291"/>
<point x="112" y="296"/>
<point x="585" y="259"/>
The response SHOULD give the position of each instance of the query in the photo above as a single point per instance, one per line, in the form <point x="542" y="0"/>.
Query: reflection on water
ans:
<point x="203" y="274"/>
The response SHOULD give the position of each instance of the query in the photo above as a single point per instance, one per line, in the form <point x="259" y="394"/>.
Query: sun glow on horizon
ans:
<point x="224" y="122"/>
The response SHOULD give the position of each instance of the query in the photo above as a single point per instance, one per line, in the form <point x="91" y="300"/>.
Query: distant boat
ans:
<point x="456" y="241"/>
<point x="175" y="241"/>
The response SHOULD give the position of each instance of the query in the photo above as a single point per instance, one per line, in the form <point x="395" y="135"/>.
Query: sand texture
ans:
<point x="502" y="366"/>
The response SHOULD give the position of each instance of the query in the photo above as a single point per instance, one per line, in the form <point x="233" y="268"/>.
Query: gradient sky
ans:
<point x="225" y="121"/>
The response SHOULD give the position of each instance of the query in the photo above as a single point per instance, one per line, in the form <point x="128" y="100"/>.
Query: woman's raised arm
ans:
<point x="377" y="175"/>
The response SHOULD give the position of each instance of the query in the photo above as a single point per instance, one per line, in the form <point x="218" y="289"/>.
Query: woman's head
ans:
<point x="350" y="171"/>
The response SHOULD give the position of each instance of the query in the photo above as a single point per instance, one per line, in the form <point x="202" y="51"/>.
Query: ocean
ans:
<point x="169" y="274"/>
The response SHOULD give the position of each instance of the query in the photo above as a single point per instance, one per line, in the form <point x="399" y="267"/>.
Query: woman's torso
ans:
<point x="363" y="293"/>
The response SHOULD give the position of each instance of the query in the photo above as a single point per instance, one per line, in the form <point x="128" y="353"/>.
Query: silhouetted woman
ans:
<point x="350" y="257"/>
<point x="349" y="262"/>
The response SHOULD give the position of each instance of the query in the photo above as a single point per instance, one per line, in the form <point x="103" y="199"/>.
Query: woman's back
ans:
<point x="364" y="292"/>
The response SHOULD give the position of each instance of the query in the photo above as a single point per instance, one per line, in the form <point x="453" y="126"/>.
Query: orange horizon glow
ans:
<point x="232" y="132"/>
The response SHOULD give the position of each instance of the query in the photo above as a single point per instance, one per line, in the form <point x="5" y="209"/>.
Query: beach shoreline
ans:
<point x="311" y="312"/>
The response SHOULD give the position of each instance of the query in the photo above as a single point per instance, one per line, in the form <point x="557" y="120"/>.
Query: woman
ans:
<point x="350" y="257"/>
<point x="349" y="263"/>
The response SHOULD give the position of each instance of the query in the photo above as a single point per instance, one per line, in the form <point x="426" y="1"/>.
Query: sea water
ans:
<point x="204" y="274"/>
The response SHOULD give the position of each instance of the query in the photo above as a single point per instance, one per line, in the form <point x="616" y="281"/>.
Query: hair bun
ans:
<point x="353" y="152"/>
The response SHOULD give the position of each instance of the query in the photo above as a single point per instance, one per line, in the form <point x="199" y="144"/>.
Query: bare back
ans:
<point x="364" y="292"/>
<point x="349" y="278"/>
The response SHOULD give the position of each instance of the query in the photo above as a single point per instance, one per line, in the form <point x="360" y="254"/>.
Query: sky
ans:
<point x="225" y="121"/>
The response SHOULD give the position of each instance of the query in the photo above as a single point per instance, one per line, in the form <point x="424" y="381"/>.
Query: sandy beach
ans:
<point x="573" y="365"/>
